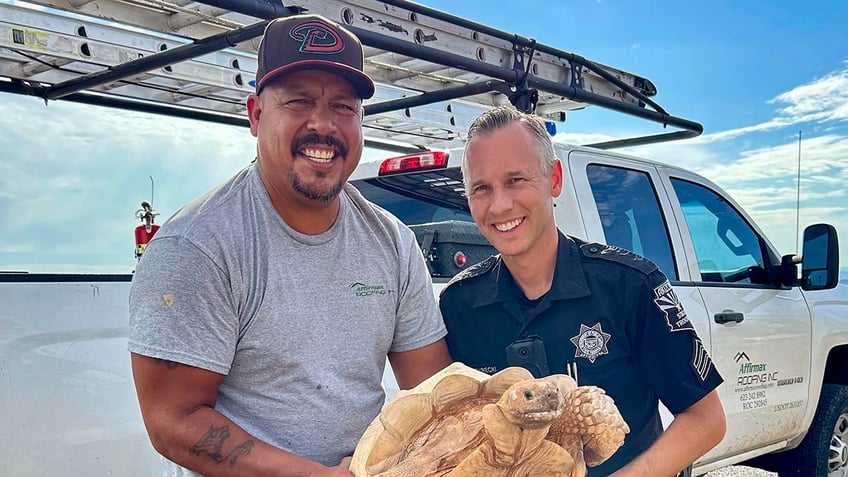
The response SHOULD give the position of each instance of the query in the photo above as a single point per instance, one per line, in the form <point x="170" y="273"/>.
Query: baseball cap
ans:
<point x="309" y="41"/>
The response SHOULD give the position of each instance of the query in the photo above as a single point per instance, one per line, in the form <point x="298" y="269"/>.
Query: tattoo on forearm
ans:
<point x="212" y="445"/>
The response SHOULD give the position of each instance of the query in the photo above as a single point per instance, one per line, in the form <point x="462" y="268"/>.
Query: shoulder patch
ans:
<point x="667" y="302"/>
<point x="480" y="268"/>
<point x="618" y="255"/>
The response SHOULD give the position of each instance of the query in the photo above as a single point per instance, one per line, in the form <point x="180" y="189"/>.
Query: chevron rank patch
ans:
<point x="667" y="302"/>
<point x="701" y="362"/>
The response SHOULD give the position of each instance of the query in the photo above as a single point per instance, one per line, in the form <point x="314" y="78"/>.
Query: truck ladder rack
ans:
<point x="434" y="72"/>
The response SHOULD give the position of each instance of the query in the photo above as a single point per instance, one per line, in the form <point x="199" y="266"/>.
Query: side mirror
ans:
<point x="788" y="270"/>
<point x="820" y="258"/>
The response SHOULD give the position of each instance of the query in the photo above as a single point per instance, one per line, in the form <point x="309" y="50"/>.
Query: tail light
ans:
<point x="414" y="162"/>
<point x="459" y="259"/>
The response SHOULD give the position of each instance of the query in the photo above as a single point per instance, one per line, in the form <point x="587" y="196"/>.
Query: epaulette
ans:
<point x="475" y="270"/>
<point x="618" y="255"/>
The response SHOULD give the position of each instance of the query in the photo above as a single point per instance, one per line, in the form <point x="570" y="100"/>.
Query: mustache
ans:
<point x="315" y="139"/>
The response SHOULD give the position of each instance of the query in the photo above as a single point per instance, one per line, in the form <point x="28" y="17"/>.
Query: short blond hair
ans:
<point x="503" y="116"/>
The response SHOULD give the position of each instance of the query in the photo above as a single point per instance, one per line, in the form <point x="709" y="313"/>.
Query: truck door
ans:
<point x="623" y="203"/>
<point x="764" y="358"/>
<point x="761" y="332"/>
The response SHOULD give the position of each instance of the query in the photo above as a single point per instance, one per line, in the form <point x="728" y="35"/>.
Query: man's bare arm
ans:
<point x="178" y="407"/>
<point x="690" y="435"/>
<point x="412" y="367"/>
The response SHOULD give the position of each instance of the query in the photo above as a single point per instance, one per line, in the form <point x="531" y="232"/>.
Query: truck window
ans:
<point x="410" y="210"/>
<point x="728" y="250"/>
<point x="630" y="214"/>
<point x="433" y="204"/>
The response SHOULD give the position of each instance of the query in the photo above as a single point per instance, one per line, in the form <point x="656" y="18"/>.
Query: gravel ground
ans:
<point x="740" y="471"/>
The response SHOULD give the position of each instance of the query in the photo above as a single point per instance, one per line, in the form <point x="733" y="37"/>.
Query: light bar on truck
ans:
<point x="414" y="162"/>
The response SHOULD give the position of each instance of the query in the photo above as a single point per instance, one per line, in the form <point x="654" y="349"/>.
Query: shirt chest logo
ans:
<point x="363" y="290"/>
<point x="591" y="342"/>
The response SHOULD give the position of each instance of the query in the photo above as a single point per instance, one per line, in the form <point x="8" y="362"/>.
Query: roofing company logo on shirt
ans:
<point x="361" y="289"/>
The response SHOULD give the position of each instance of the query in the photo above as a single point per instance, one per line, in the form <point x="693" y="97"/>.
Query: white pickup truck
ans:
<point x="780" y="342"/>
<point x="779" y="337"/>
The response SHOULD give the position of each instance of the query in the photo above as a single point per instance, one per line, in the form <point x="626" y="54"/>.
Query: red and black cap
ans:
<point x="311" y="42"/>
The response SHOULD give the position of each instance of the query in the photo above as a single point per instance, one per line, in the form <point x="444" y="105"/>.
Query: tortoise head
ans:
<point x="533" y="402"/>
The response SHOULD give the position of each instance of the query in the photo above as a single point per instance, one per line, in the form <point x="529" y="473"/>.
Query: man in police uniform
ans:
<point x="549" y="302"/>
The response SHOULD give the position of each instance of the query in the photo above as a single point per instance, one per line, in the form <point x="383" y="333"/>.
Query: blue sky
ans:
<point x="754" y="73"/>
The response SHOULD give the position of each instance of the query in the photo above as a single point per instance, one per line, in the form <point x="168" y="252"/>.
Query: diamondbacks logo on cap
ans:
<point x="311" y="42"/>
<point x="317" y="37"/>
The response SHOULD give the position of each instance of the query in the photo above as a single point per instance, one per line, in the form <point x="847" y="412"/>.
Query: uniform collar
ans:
<point x="569" y="278"/>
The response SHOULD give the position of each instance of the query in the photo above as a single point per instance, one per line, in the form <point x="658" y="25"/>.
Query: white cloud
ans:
<point x="820" y="101"/>
<point x="822" y="154"/>
<point x="825" y="99"/>
<point x="75" y="175"/>
<point x="581" y="138"/>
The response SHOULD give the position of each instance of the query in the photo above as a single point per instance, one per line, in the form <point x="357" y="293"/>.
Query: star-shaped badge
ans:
<point x="591" y="342"/>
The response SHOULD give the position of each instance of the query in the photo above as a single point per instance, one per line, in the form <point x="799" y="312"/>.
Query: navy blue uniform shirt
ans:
<point x="610" y="311"/>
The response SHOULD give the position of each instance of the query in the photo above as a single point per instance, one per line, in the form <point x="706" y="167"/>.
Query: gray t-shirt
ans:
<point x="299" y="324"/>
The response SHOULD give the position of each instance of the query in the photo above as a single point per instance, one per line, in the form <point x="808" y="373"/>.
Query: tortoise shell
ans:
<point x="462" y="422"/>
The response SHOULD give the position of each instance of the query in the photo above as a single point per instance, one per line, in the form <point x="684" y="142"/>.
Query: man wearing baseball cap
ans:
<point x="261" y="314"/>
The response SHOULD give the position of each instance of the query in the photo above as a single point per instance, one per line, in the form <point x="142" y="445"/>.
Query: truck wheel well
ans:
<point x="837" y="363"/>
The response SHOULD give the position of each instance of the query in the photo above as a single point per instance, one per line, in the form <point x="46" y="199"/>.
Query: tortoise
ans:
<point x="462" y="422"/>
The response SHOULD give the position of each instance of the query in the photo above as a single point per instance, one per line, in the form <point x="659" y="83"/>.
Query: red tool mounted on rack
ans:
<point x="144" y="233"/>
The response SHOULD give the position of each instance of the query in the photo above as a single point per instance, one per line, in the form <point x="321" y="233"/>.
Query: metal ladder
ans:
<point x="435" y="72"/>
